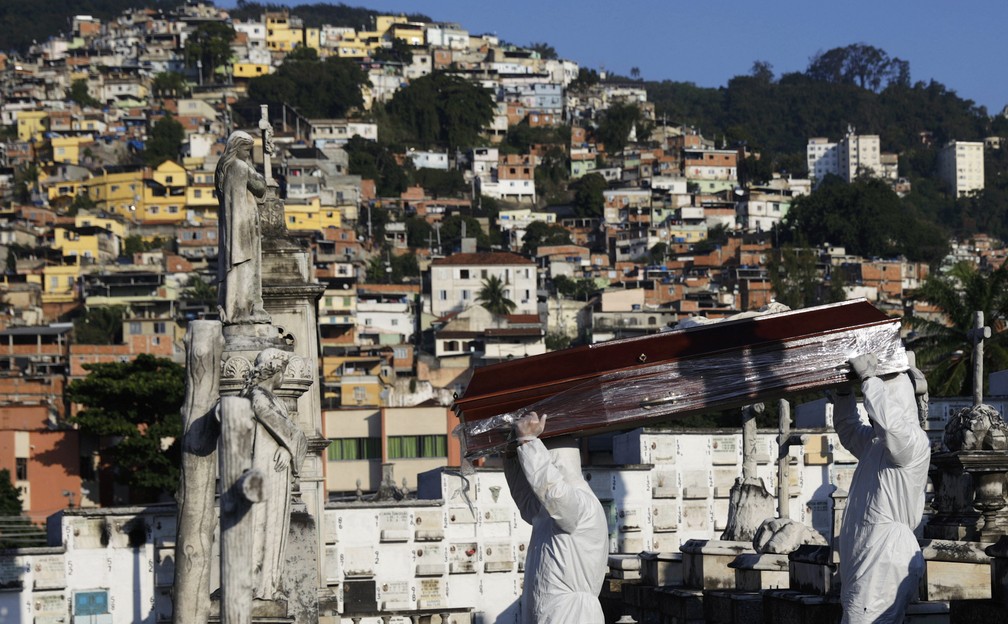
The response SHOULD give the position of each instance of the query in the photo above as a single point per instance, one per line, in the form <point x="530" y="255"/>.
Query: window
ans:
<point x="359" y="394"/>
<point x="465" y="295"/>
<point x="401" y="447"/>
<point x="395" y="322"/>
<point x="135" y="328"/>
<point x="347" y="449"/>
<point x="463" y="273"/>
<point x="168" y="179"/>
<point x="21" y="468"/>
<point x="443" y="295"/>
<point x="159" y="327"/>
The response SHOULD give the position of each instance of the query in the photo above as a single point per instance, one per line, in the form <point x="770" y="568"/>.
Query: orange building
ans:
<point x="44" y="461"/>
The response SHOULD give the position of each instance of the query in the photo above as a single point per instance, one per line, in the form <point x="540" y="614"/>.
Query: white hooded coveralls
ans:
<point x="880" y="559"/>
<point x="568" y="552"/>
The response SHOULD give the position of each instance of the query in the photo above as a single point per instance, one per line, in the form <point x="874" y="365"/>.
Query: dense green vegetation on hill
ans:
<point x="319" y="13"/>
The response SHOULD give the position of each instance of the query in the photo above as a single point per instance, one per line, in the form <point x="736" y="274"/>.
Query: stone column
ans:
<point x="290" y="296"/>
<point x="196" y="517"/>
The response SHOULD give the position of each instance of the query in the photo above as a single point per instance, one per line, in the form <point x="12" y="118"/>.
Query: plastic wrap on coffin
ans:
<point x="628" y="383"/>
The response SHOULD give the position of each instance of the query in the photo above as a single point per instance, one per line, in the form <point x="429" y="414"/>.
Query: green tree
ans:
<point x="16" y="530"/>
<point x="78" y="92"/>
<point x="100" y="326"/>
<point x="616" y="123"/>
<point x="544" y="50"/>
<point x="442" y="110"/>
<point x="169" y="84"/>
<point x="866" y="66"/>
<point x="388" y="268"/>
<point x="540" y="233"/>
<point x="866" y="217"/>
<point x="133" y="407"/>
<point x="588" y="198"/>
<point x="451" y="233"/>
<point x="10" y="496"/>
<point x="491" y="296"/>
<point x="164" y="141"/>
<point x="374" y="161"/>
<point x="440" y="183"/>
<point x="329" y="88"/>
<point x="556" y="341"/>
<point x="581" y="289"/>
<point x="797" y="280"/>
<point x="208" y="47"/>
<point x="943" y="346"/>
<point x="199" y="290"/>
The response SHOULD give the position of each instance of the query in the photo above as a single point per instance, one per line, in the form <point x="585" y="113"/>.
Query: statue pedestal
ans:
<point x="955" y="571"/>
<point x="811" y="570"/>
<point x="661" y="569"/>
<point x="755" y="572"/>
<point x="705" y="563"/>
<point x="969" y="496"/>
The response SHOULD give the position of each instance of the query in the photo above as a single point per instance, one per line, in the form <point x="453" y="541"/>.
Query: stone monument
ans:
<point x="250" y="373"/>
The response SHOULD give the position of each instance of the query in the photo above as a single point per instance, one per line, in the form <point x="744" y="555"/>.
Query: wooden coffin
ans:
<point x="622" y="384"/>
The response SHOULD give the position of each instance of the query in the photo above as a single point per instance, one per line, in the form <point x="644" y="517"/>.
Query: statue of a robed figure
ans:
<point x="240" y="424"/>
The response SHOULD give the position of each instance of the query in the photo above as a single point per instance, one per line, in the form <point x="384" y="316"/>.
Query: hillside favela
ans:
<point x="319" y="314"/>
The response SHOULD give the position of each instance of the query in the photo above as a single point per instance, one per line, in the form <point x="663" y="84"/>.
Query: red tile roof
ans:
<point x="481" y="258"/>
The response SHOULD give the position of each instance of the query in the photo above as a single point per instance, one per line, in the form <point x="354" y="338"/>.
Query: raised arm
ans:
<point x="893" y="406"/>
<point x="855" y="436"/>
<point x="521" y="491"/>
<point x="554" y="492"/>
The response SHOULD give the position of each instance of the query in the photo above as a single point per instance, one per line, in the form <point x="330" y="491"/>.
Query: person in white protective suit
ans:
<point x="880" y="559"/>
<point x="568" y="552"/>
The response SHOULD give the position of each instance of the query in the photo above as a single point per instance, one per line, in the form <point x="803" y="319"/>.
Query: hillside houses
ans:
<point x="87" y="227"/>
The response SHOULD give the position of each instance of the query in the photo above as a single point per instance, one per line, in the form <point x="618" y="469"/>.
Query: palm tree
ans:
<point x="492" y="297"/>
<point x="943" y="346"/>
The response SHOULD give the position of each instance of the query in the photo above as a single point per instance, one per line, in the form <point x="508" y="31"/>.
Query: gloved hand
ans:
<point x="864" y="365"/>
<point x="530" y="426"/>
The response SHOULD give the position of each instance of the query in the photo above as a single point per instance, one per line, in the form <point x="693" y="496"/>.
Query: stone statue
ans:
<point x="239" y="260"/>
<point x="279" y="449"/>
<point x="196" y="518"/>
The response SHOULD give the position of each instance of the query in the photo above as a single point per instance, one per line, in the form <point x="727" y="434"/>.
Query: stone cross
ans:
<point x="267" y="140"/>
<point x="977" y="336"/>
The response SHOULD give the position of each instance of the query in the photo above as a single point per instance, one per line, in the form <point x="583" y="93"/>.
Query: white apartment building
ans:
<point x="457" y="279"/>
<point x="853" y="156"/>
<point x="961" y="166"/>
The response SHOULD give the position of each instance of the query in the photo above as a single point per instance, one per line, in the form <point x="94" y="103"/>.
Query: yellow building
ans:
<point x="247" y="71"/>
<point x="410" y="33"/>
<point x="280" y="36"/>
<point x="68" y="149"/>
<point x="85" y="218"/>
<point x="384" y="22"/>
<point x="59" y="283"/>
<point x="55" y="188"/>
<point x="119" y="192"/>
<point x="311" y="215"/>
<point x="352" y="47"/>
<point x="31" y="125"/>
<point x="164" y="195"/>
<point x="92" y="242"/>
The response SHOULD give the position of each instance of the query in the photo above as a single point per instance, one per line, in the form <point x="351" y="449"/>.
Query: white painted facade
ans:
<point x="454" y="286"/>
<point x="961" y="166"/>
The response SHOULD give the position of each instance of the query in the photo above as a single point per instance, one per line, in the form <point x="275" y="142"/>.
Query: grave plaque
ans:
<point x="359" y="596"/>
<point x="431" y="559"/>
<point x="432" y="593"/>
<point x="428" y="525"/>
<point x="394" y="526"/>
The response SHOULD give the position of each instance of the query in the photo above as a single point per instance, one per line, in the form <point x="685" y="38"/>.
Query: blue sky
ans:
<point x="959" y="43"/>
